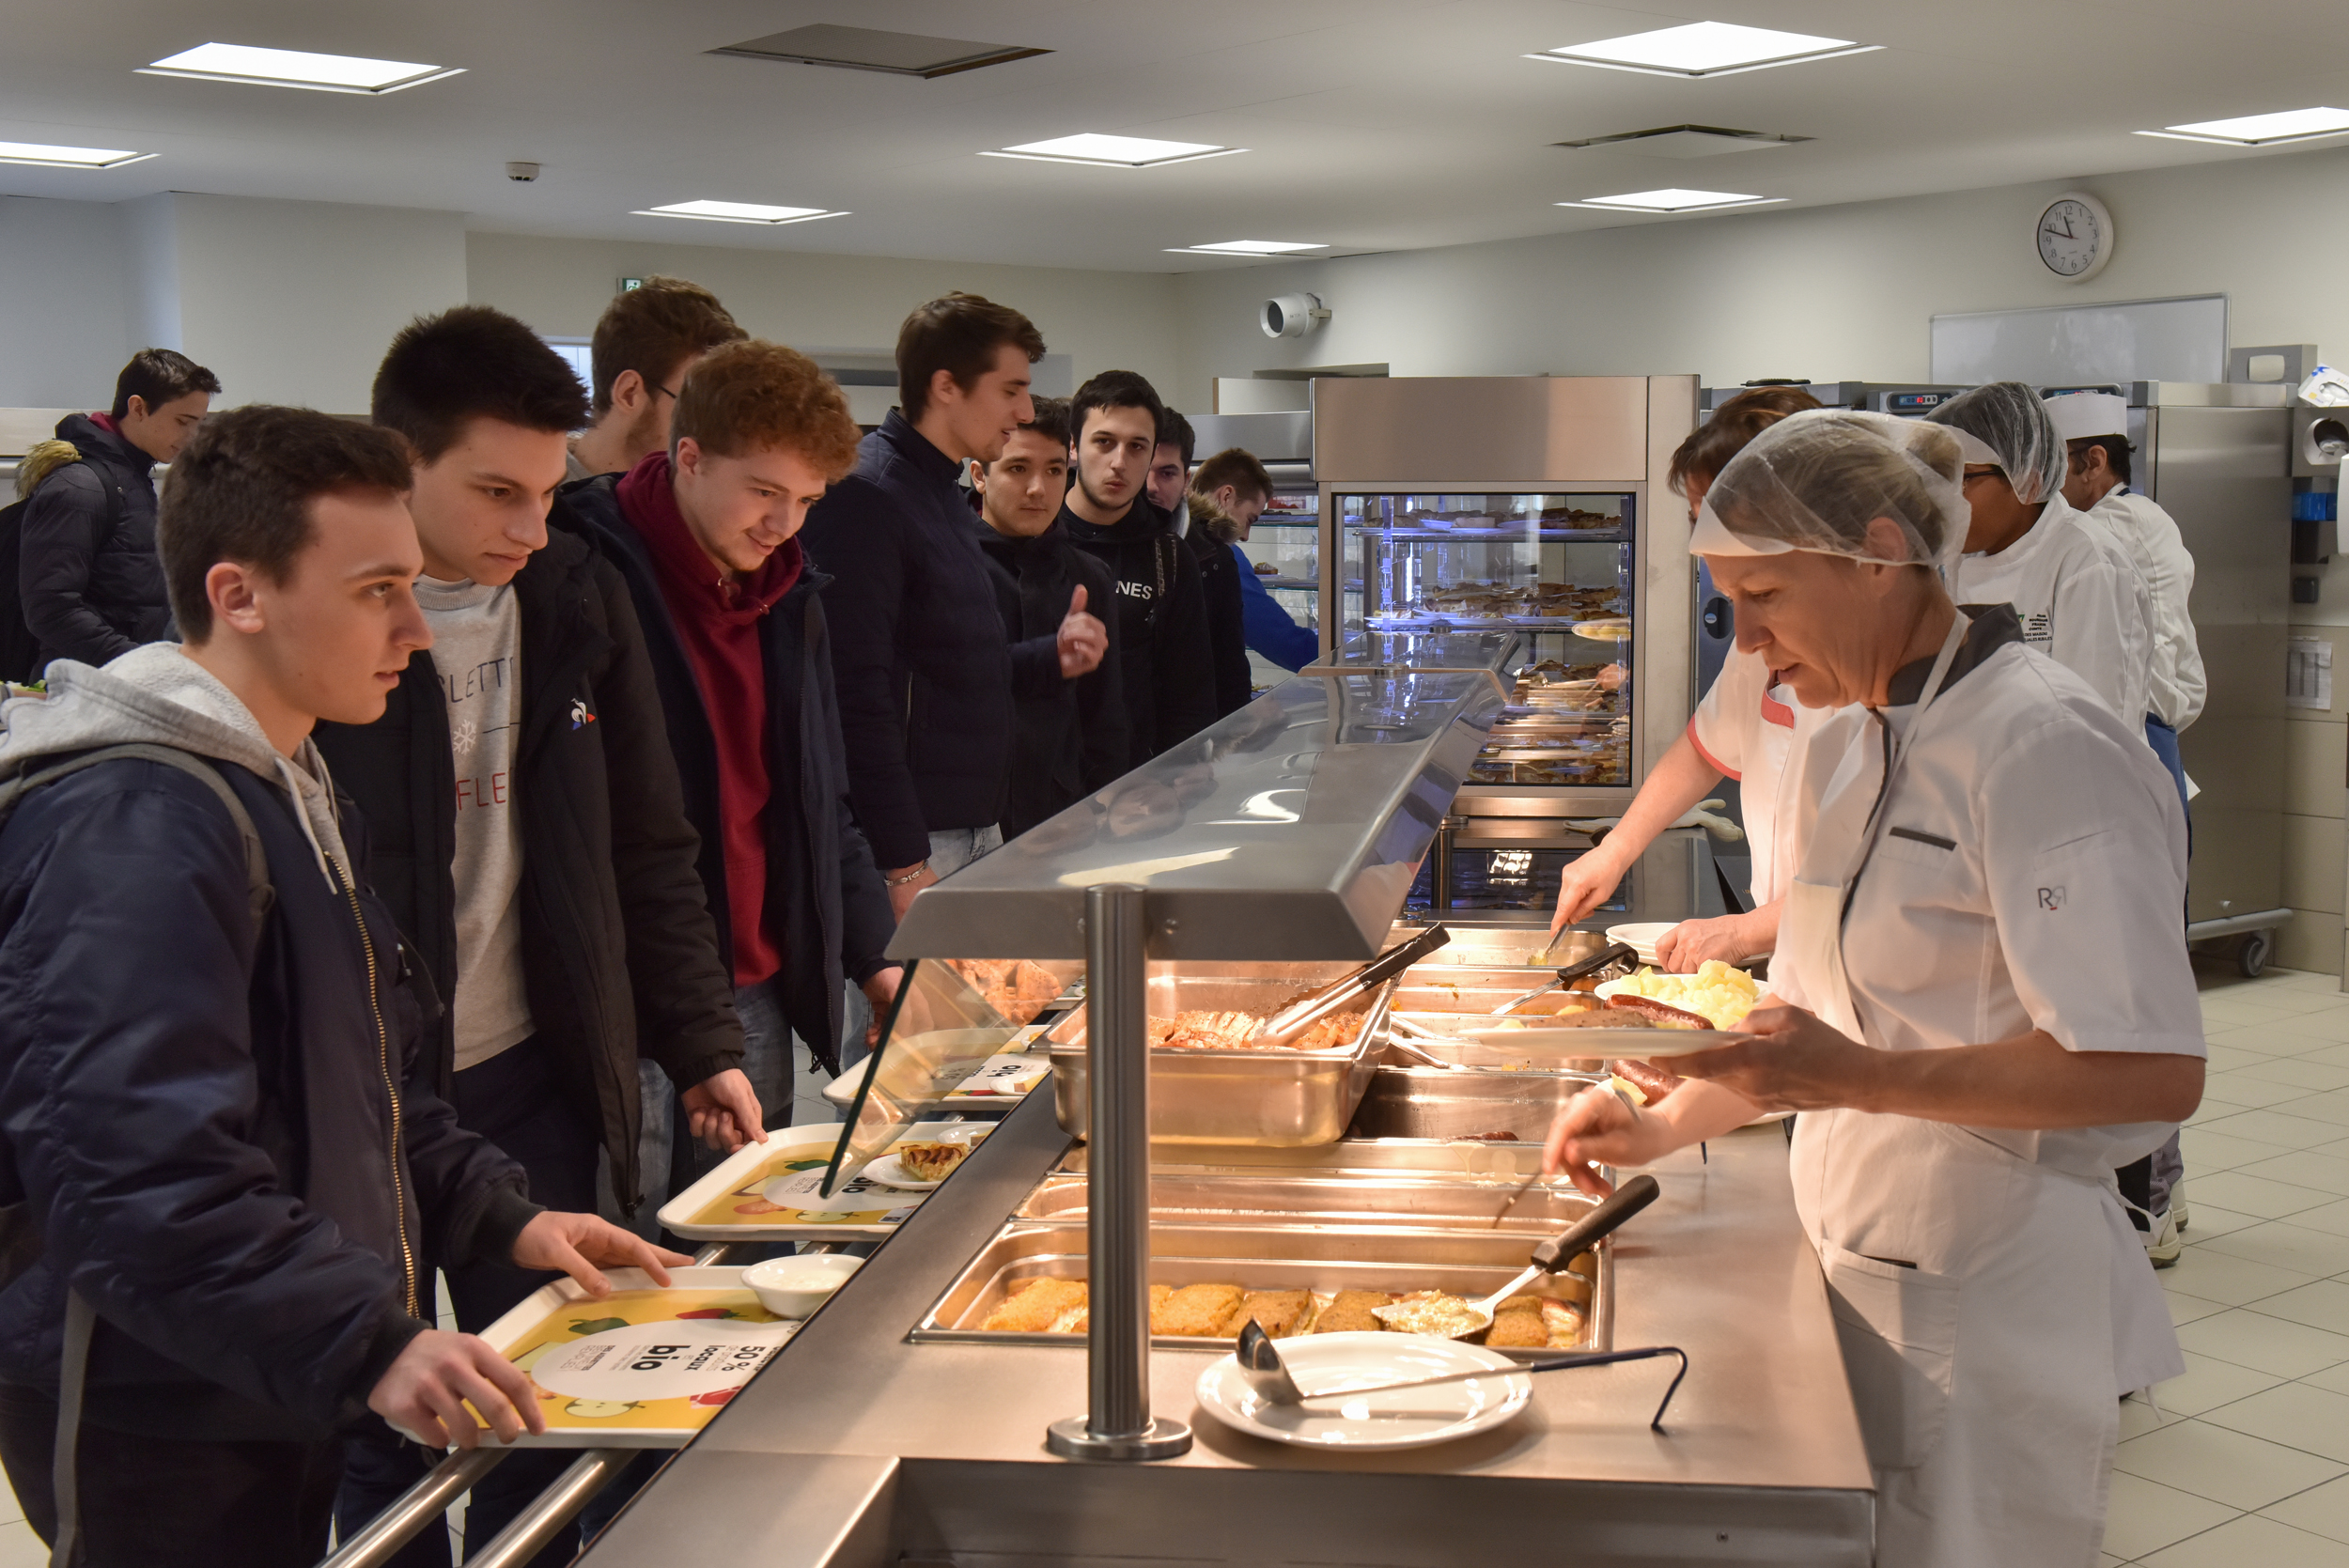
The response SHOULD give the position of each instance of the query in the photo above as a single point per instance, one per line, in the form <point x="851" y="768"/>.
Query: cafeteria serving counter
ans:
<point x="902" y="1426"/>
<point x="863" y="1447"/>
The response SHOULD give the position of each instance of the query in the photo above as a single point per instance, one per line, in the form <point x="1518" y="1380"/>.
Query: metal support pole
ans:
<point x="421" y="1505"/>
<point x="712" y="1256"/>
<point x="1439" y="863"/>
<point x="1117" y="1195"/>
<point x="555" y="1507"/>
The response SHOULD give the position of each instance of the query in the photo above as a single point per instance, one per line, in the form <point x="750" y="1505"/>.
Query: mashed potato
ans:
<point x="1720" y="991"/>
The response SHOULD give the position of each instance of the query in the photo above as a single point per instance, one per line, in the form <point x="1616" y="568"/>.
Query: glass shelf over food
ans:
<point x="1556" y="567"/>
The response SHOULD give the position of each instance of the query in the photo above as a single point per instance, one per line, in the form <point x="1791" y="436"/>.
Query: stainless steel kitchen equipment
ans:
<point x="2217" y="457"/>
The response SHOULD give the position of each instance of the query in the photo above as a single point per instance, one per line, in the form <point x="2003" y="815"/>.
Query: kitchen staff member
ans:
<point x="1744" y="728"/>
<point x="2094" y="429"/>
<point x="2080" y="599"/>
<point x="1981" y="1001"/>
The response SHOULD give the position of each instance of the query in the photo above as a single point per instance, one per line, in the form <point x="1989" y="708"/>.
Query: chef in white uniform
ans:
<point x="2095" y="427"/>
<point x="2080" y="599"/>
<point x="1981" y="1001"/>
<point x="1746" y="727"/>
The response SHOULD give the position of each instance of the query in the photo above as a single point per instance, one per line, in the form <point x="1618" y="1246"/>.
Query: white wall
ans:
<point x="64" y="328"/>
<point x="293" y="302"/>
<point x="1102" y="320"/>
<point x="1830" y="293"/>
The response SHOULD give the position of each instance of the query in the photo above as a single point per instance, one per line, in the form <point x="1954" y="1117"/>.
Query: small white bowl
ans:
<point x="794" y="1287"/>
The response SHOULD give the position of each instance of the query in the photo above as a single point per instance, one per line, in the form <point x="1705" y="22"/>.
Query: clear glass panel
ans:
<point x="1556" y="567"/>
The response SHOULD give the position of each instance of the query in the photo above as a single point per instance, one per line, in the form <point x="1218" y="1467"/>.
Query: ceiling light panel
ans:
<point x="2289" y="125"/>
<point x="292" y="68"/>
<point x="1671" y="201"/>
<point x="1704" y="49"/>
<point x="41" y="155"/>
<point x="1246" y="247"/>
<point x="737" y="213"/>
<point x="1118" y="153"/>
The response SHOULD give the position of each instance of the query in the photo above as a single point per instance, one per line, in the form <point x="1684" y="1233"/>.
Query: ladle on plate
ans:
<point x="1258" y="1354"/>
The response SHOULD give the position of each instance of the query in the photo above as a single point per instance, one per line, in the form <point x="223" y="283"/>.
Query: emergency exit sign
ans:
<point x="627" y="284"/>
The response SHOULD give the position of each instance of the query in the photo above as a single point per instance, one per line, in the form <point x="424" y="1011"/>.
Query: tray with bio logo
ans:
<point x="773" y="1192"/>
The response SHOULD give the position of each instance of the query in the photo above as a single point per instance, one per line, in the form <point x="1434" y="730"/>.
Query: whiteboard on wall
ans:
<point x="2137" y="340"/>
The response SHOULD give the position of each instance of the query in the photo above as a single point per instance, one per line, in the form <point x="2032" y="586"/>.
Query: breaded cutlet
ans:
<point x="1034" y="1305"/>
<point x="1350" y="1312"/>
<point x="1277" y="1313"/>
<point x="1524" y="1328"/>
<point x="1196" y="1311"/>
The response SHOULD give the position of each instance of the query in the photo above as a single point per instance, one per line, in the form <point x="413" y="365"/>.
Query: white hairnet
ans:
<point x="1816" y="482"/>
<point x="2011" y="424"/>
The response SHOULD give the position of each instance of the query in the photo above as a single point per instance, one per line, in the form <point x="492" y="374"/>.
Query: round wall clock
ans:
<point x="2075" y="237"/>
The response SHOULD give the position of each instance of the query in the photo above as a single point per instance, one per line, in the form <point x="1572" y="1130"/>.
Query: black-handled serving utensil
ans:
<point x="1613" y="953"/>
<point x="1258" y="1357"/>
<point x="1313" y="1005"/>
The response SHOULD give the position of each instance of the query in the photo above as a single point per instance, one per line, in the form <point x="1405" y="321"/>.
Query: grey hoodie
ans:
<point x="158" y="695"/>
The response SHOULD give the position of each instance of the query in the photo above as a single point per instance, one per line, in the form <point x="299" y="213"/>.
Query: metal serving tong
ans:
<point x="1258" y="1354"/>
<point x="1311" y="1008"/>
<point x="1614" y="953"/>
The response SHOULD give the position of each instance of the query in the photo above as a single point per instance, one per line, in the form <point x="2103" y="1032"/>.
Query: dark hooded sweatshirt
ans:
<point x="1161" y="628"/>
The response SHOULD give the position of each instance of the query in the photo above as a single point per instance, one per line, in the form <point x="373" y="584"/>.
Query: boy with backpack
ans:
<point x="222" y="1176"/>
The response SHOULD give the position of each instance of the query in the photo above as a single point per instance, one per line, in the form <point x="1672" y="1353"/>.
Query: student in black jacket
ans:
<point x="1209" y="535"/>
<point x="87" y="577"/>
<point x="734" y="611"/>
<point x="220" y="1109"/>
<point x="1072" y="741"/>
<point x="535" y="847"/>
<point x="1162" y="623"/>
<point x="924" y="671"/>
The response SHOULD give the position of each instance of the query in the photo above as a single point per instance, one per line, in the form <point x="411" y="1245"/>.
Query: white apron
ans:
<point x="1971" y="1287"/>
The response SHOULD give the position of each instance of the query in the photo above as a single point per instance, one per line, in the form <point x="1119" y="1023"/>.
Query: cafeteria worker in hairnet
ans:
<point x="1981" y="1003"/>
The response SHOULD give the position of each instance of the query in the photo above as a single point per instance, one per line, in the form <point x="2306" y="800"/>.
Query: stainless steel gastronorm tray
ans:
<point x="1349" y="1158"/>
<point x="1464" y="1262"/>
<point x="1439" y="1103"/>
<point x="1265" y="1198"/>
<point x="1273" y="1098"/>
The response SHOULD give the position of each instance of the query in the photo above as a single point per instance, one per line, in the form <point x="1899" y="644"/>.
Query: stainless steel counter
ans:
<point x="856" y="1447"/>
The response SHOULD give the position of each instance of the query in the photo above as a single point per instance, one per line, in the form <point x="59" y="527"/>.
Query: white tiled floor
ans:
<point x="2246" y="1458"/>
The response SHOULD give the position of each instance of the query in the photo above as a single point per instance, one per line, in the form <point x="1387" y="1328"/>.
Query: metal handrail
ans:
<point x="555" y="1507"/>
<point x="421" y="1505"/>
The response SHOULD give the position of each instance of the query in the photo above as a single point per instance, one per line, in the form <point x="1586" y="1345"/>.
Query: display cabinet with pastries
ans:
<point x="1522" y="526"/>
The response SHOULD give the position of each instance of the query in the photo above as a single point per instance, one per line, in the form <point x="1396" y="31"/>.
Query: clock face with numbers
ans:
<point x="2075" y="237"/>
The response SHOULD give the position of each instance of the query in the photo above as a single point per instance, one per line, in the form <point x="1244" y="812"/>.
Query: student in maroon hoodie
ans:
<point x="705" y="536"/>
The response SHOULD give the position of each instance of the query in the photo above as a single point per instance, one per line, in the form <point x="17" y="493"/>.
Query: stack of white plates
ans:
<point x="1642" y="938"/>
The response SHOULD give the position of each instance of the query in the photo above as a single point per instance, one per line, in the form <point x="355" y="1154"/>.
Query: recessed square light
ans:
<point x="293" y="68"/>
<point x="41" y="155"/>
<point x="737" y="212"/>
<point x="1671" y="201"/>
<point x="2289" y="125"/>
<point x="1245" y="247"/>
<point x="1704" y="49"/>
<point x="1119" y="152"/>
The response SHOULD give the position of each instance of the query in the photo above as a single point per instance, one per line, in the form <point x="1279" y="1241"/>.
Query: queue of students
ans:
<point x="445" y="826"/>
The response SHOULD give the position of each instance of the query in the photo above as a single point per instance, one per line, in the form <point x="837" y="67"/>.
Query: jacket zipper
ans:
<point x="390" y="1086"/>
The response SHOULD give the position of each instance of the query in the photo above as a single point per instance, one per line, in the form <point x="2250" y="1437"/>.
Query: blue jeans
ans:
<point x="668" y="1156"/>
<point x="949" y="851"/>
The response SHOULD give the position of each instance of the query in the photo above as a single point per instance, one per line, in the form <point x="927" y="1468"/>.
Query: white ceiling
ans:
<point x="1375" y="124"/>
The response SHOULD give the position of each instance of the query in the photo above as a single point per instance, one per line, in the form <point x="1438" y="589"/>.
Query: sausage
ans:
<point x="1661" y="1013"/>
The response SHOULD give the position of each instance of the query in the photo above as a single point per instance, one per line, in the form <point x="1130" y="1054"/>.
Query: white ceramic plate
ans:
<point x="1613" y="631"/>
<point x="1408" y="1419"/>
<point x="890" y="1172"/>
<point x="1642" y="937"/>
<point x="1640" y="1045"/>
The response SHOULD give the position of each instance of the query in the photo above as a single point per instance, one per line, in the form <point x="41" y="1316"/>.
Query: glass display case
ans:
<point x="1556" y="569"/>
<point x="1285" y="547"/>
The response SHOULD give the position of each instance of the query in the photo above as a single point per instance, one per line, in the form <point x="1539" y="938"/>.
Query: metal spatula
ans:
<point x="1614" y="953"/>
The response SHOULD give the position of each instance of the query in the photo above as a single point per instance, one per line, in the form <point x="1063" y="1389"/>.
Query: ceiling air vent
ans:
<point x="868" y="49"/>
<point x="1686" y="141"/>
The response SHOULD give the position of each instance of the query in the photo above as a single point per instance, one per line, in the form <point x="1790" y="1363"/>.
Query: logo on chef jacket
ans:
<point x="580" y="715"/>
<point x="2039" y="626"/>
<point x="2051" y="899"/>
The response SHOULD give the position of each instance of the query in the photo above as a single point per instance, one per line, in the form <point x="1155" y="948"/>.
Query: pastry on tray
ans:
<point x="931" y="1162"/>
<point x="1349" y="1313"/>
<point x="1277" y="1313"/>
<point x="1198" y="1312"/>
<point x="1034" y="1305"/>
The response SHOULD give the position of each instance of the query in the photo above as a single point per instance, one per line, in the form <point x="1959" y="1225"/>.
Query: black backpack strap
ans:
<point x="20" y="1242"/>
<point x="260" y="893"/>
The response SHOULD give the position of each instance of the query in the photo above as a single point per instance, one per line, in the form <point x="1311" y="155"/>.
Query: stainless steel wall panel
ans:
<point x="1521" y="431"/>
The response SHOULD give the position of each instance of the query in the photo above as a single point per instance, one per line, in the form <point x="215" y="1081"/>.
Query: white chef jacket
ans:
<point x="1749" y="726"/>
<point x="2029" y="876"/>
<point x="2149" y="538"/>
<point x="2081" y="602"/>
